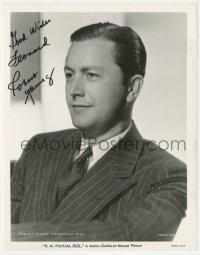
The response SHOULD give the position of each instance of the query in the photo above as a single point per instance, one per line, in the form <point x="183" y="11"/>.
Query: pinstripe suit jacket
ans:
<point x="135" y="192"/>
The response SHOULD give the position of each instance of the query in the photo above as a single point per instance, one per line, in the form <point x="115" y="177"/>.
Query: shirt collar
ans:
<point x="104" y="146"/>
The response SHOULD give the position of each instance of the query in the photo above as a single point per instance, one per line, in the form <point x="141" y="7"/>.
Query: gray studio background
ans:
<point x="160" y="109"/>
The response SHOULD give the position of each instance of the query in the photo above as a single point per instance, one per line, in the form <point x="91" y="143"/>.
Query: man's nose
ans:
<point x="77" y="87"/>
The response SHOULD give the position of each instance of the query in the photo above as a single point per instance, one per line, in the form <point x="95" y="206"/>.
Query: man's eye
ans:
<point x="92" y="75"/>
<point x="68" y="75"/>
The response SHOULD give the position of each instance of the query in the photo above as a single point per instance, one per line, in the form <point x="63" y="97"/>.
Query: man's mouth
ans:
<point x="80" y="105"/>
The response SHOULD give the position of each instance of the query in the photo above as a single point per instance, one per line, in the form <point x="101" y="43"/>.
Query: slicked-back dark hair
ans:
<point x="130" y="53"/>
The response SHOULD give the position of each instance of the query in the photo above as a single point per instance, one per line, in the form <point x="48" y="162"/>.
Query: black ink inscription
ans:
<point x="50" y="77"/>
<point x="39" y="25"/>
<point x="15" y="41"/>
<point x="14" y="86"/>
<point x="18" y="83"/>
<point x="19" y="58"/>
<point x="30" y="90"/>
<point x="16" y="76"/>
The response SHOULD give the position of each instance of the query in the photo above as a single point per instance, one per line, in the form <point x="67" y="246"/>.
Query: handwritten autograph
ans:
<point x="17" y="41"/>
<point x="18" y="82"/>
<point x="14" y="86"/>
<point x="39" y="25"/>
<point x="16" y="59"/>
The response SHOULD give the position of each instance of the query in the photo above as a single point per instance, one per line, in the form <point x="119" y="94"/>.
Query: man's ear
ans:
<point x="135" y="85"/>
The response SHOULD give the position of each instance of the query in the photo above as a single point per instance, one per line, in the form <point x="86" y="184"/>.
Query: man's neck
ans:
<point x="113" y="131"/>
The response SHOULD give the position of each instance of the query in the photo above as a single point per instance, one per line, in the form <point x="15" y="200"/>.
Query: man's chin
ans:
<point x="86" y="128"/>
<point x="82" y="125"/>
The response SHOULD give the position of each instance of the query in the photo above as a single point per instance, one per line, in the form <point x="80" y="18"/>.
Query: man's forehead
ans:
<point x="94" y="52"/>
<point x="92" y="48"/>
<point x="99" y="41"/>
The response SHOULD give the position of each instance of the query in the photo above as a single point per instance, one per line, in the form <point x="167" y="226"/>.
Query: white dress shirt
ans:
<point x="100" y="149"/>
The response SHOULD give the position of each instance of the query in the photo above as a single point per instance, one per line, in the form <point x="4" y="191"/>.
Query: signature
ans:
<point x="15" y="41"/>
<point x="30" y="84"/>
<point x="18" y="83"/>
<point x="15" y="85"/>
<point x="18" y="58"/>
<point x="39" y="25"/>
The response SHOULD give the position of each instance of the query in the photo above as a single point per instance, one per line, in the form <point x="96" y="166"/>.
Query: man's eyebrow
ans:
<point x="68" y="68"/>
<point x="87" y="68"/>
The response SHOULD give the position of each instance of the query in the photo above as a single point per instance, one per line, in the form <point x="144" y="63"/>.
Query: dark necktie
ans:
<point x="70" y="179"/>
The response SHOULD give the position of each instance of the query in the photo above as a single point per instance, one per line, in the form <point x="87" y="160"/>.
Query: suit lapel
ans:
<point x="57" y="163"/>
<point x="109" y="177"/>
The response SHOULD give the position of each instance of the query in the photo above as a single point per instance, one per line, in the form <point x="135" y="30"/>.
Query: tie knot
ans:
<point x="86" y="154"/>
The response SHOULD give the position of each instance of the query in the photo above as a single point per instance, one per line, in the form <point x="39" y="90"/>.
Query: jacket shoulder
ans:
<point x="55" y="134"/>
<point x="156" y="155"/>
<point x="50" y="139"/>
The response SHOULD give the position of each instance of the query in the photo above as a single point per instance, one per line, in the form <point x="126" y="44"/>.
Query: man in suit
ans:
<point x="101" y="181"/>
